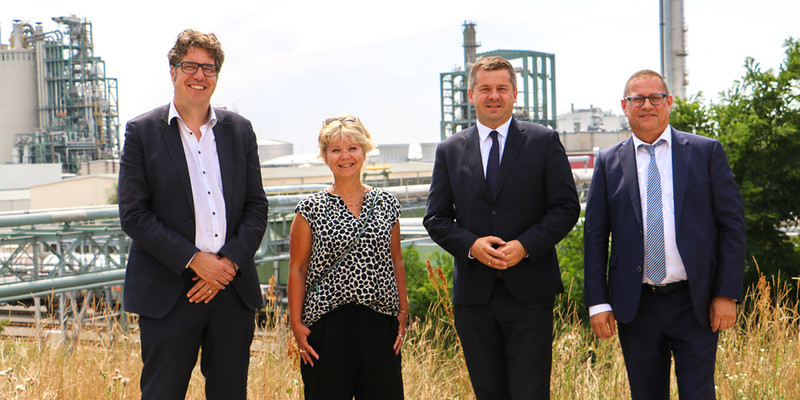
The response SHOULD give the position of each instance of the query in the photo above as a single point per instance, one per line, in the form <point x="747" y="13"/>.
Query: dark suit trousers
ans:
<point x="507" y="346"/>
<point x="223" y="329"/>
<point x="666" y="326"/>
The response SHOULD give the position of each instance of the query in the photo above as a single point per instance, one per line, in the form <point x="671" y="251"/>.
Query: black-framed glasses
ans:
<point x="655" y="99"/>
<point x="328" y="121"/>
<point x="189" y="67"/>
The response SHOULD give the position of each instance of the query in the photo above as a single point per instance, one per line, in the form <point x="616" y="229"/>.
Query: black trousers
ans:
<point x="664" y="327"/>
<point x="223" y="329"/>
<point x="508" y="346"/>
<point x="356" y="357"/>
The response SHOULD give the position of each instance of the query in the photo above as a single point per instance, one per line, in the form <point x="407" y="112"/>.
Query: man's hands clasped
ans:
<point x="214" y="273"/>
<point x="497" y="253"/>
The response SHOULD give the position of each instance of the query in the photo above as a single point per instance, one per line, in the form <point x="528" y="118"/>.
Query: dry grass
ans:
<point x="759" y="359"/>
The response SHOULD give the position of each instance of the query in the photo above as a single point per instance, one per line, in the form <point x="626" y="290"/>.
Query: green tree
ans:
<point x="421" y="292"/>
<point x="757" y="120"/>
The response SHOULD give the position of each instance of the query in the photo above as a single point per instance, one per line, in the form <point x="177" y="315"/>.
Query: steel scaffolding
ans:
<point x="78" y="104"/>
<point x="536" y="86"/>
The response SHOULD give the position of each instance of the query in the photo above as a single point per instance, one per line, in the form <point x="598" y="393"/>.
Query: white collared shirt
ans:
<point x="675" y="269"/>
<point x="204" y="173"/>
<point x="486" y="141"/>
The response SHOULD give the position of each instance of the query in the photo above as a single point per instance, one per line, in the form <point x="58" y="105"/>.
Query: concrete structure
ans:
<point x="93" y="190"/>
<point x="583" y="142"/>
<point x="19" y="102"/>
<point x="15" y="200"/>
<point x="99" y="167"/>
<point x="269" y="149"/>
<point x="673" y="46"/>
<point x="392" y="153"/>
<point x="17" y="176"/>
<point x="592" y="119"/>
<point x="428" y="151"/>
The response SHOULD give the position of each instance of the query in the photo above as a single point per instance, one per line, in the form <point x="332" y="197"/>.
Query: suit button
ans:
<point x="494" y="212"/>
<point x="638" y="269"/>
<point x="641" y="233"/>
<point x="191" y="220"/>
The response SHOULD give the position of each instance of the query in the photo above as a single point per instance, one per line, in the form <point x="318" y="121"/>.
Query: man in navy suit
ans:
<point x="191" y="198"/>
<point x="673" y="278"/>
<point x="502" y="195"/>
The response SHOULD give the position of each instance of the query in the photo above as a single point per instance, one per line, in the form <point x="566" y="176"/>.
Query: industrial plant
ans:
<point x="536" y="84"/>
<point x="64" y="108"/>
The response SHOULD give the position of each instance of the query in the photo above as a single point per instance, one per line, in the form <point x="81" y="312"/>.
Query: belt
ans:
<point x="666" y="288"/>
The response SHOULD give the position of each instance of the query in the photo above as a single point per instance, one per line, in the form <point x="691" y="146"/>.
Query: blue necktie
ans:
<point x="655" y="258"/>
<point x="493" y="166"/>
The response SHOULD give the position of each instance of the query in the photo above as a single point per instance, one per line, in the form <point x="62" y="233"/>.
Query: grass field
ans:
<point x="758" y="359"/>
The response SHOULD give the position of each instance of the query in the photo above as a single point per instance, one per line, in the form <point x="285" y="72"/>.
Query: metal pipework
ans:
<point x="42" y="288"/>
<point x="57" y="216"/>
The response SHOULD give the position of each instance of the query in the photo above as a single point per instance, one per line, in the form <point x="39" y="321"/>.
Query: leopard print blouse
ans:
<point x="366" y="274"/>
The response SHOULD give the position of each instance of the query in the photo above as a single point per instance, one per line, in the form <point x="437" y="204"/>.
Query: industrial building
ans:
<point x="64" y="109"/>
<point x="536" y="85"/>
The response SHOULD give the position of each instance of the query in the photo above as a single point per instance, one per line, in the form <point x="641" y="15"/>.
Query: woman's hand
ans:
<point x="307" y="353"/>
<point x="402" y="321"/>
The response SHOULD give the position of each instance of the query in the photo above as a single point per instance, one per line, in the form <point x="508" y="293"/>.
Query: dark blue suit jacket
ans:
<point x="709" y="226"/>
<point x="536" y="204"/>
<point x="156" y="209"/>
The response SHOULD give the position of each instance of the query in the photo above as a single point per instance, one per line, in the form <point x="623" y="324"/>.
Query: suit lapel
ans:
<point x="472" y="153"/>
<point x="172" y="142"/>
<point x="681" y="159"/>
<point x="627" y="160"/>
<point x="224" y="141"/>
<point x="513" y="145"/>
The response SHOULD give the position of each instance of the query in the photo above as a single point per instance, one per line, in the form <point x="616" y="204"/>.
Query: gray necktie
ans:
<point x="655" y="258"/>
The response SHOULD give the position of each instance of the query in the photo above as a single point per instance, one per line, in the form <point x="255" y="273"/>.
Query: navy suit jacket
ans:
<point x="536" y="204"/>
<point x="709" y="226"/>
<point x="156" y="209"/>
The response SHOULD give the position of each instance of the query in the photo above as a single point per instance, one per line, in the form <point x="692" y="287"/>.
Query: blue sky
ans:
<point x="289" y="65"/>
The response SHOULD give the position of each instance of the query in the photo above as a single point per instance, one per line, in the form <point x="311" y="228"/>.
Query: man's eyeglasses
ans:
<point x="328" y="121"/>
<point x="189" y="67"/>
<point x="655" y="99"/>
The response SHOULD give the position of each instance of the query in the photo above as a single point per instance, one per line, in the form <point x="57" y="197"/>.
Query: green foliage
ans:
<point x="421" y="291"/>
<point x="570" y="259"/>
<point x="758" y="121"/>
<point x="690" y="115"/>
<point x="112" y="195"/>
<point x="3" y="323"/>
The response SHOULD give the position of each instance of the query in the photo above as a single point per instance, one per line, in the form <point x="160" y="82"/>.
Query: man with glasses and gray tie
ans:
<point x="674" y="275"/>
<point x="502" y="195"/>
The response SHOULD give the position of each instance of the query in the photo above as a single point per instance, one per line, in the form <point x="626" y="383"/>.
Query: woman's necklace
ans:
<point x="358" y="203"/>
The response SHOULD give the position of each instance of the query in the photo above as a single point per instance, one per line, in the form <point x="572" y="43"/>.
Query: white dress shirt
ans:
<point x="486" y="141"/>
<point x="204" y="173"/>
<point x="675" y="269"/>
